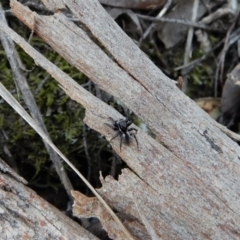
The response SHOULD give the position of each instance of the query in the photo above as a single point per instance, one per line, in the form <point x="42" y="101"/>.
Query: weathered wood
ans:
<point x="24" y="215"/>
<point x="191" y="174"/>
<point x="62" y="77"/>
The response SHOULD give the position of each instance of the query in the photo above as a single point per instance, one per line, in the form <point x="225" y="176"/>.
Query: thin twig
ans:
<point x="87" y="153"/>
<point x="216" y="15"/>
<point x="228" y="132"/>
<point x="152" y="25"/>
<point x="10" y="159"/>
<point x="220" y="65"/>
<point x="40" y="85"/>
<point x="181" y="21"/>
<point x="188" y="47"/>
<point x="233" y="38"/>
<point x="206" y="5"/>
<point x="151" y="231"/>
<point x="27" y="95"/>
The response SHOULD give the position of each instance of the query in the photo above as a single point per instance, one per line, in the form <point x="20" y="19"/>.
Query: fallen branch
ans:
<point x="187" y="179"/>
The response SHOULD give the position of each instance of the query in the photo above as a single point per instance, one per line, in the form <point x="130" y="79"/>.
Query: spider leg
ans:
<point x="117" y="134"/>
<point x="121" y="139"/>
<point x="111" y="126"/>
<point x="132" y="129"/>
<point x="129" y="122"/>
<point x="136" y="140"/>
<point x="127" y="138"/>
<point x="114" y="121"/>
<point x="111" y="119"/>
<point x="134" y="135"/>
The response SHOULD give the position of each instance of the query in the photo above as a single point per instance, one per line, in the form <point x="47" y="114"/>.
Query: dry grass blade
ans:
<point x="21" y="83"/>
<point x="6" y="95"/>
<point x="146" y="223"/>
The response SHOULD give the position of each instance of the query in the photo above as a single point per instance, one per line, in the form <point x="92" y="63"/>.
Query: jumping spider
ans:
<point x="122" y="129"/>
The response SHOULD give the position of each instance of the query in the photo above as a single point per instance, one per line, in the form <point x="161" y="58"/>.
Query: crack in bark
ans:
<point x="211" y="141"/>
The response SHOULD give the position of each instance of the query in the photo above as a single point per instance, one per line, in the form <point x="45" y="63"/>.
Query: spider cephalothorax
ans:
<point x="122" y="129"/>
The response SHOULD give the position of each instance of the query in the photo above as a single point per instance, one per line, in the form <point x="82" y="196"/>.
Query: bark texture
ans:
<point x="24" y="215"/>
<point x="185" y="183"/>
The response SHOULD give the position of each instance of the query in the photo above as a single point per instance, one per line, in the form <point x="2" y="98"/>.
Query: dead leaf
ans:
<point x="210" y="105"/>
<point x="172" y="33"/>
<point x="230" y="104"/>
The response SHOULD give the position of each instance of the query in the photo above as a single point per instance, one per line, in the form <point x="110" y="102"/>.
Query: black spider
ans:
<point x="122" y="129"/>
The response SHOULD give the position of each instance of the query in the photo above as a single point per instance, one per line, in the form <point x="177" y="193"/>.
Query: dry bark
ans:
<point x="186" y="182"/>
<point x="24" y="215"/>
